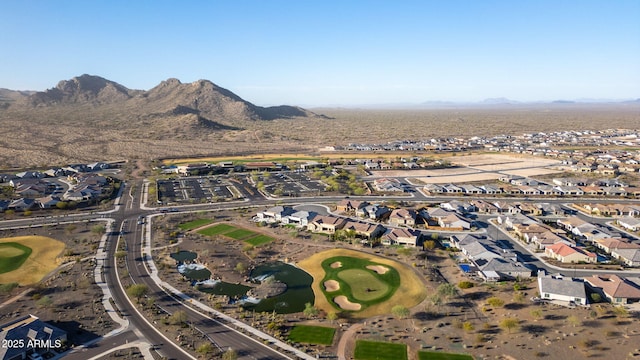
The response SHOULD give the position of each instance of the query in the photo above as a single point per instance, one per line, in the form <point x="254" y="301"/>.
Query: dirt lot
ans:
<point x="479" y="167"/>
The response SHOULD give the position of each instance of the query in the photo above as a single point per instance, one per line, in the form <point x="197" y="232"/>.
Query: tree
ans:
<point x="62" y="205"/>
<point x="98" y="229"/>
<point x="332" y="316"/>
<point x="495" y="302"/>
<point x="137" y="291"/>
<point x="70" y="228"/>
<point x="574" y="321"/>
<point x="400" y="312"/>
<point x="310" y="311"/>
<point x="447" y="290"/>
<point x="240" y="267"/>
<point x="178" y="318"/>
<point x="468" y="326"/>
<point x="429" y="245"/>
<point x="230" y="355"/>
<point x="8" y="288"/>
<point x="205" y="348"/>
<point x="509" y="324"/>
<point x="44" y="302"/>
<point x="536" y="314"/>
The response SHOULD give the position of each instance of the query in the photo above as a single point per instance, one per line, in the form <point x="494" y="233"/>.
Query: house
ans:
<point x="22" y="204"/>
<point x="29" y="330"/>
<point x="484" y="207"/>
<point x="48" y="202"/>
<point x="350" y="206"/>
<point x="388" y="185"/>
<point x="97" y="166"/>
<point x="567" y="254"/>
<point x="503" y="268"/>
<point x="374" y="212"/>
<point x="403" y="217"/>
<point x="629" y="223"/>
<point x="300" y="218"/>
<point x="471" y="189"/>
<point x="193" y="169"/>
<point x="433" y="189"/>
<point x="561" y="288"/>
<point x="454" y="221"/>
<point x="401" y="236"/>
<point x="364" y="230"/>
<point x="617" y="290"/>
<point x="275" y="214"/>
<point x="327" y="224"/>
<point x="459" y="206"/>
<point x="629" y="257"/>
<point x="611" y="244"/>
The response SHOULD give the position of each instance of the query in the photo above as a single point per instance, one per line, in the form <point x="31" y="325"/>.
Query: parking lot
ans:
<point x="195" y="190"/>
<point x="295" y="184"/>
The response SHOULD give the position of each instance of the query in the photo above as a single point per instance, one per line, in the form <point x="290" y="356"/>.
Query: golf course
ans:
<point x="27" y="259"/>
<point x="361" y="284"/>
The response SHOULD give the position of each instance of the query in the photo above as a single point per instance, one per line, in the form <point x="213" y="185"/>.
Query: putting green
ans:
<point x="12" y="256"/>
<point x="365" y="285"/>
<point x="40" y="258"/>
<point x="405" y="287"/>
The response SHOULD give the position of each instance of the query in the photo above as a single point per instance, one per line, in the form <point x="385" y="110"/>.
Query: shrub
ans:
<point x="495" y="302"/>
<point x="465" y="284"/>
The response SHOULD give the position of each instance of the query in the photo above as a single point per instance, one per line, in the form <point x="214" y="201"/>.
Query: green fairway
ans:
<point x="359" y="284"/>
<point x="12" y="256"/>
<point x="312" y="334"/>
<point x="432" y="355"/>
<point x="195" y="224"/>
<point x="240" y="234"/>
<point x="216" y="230"/>
<point x="365" y="284"/>
<point x="374" y="350"/>
<point x="259" y="240"/>
<point x="236" y="233"/>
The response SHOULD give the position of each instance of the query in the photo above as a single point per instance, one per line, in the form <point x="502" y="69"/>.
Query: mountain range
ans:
<point x="214" y="106"/>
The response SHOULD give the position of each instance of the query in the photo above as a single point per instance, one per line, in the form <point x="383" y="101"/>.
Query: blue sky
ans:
<point x="316" y="53"/>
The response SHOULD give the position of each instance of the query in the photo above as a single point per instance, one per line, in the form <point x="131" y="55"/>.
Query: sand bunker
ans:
<point x="378" y="268"/>
<point x="336" y="265"/>
<point x="345" y="304"/>
<point x="331" y="285"/>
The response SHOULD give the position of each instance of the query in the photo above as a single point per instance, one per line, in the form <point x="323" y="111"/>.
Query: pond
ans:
<point x="225" y="288"/>
<point x="298" y="291"/>
<point x="183" y="255"/>
<point x="194" y="272"/>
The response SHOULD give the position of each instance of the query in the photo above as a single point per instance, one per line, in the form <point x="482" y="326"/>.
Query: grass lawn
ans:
<point x="216" y="230"/>
<point x="358" y="283"/>
<point x="12" y="256"/>
<point x="194" y="224"/>
<point x="259" y="240"/>
<point x="374" y="350"/>
<point x="240" y="234"/>
<point x="365" y="285"/>
<point x="432" y="355"/>
<point x="312" y="334"/>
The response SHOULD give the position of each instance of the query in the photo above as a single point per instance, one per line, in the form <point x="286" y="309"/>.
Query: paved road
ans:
<point x="126" y="217"/>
